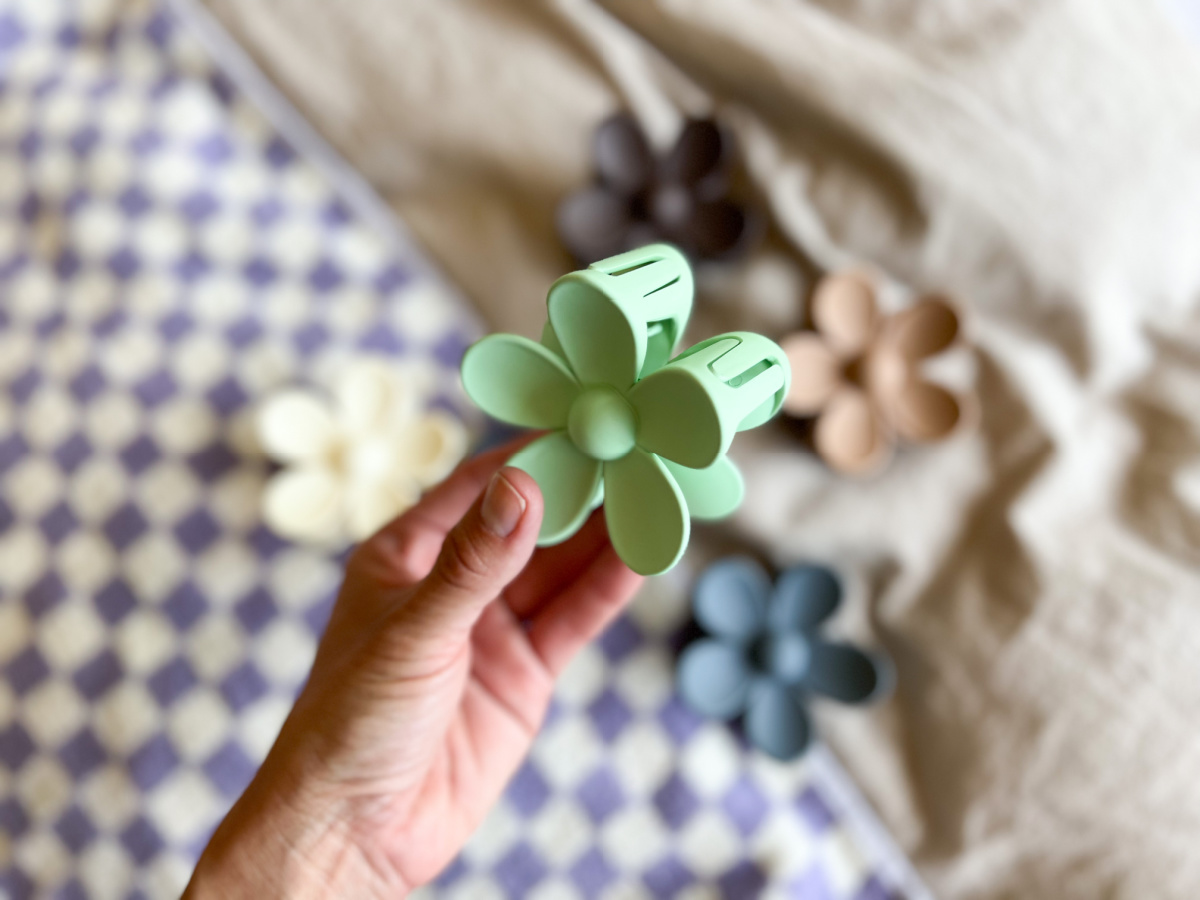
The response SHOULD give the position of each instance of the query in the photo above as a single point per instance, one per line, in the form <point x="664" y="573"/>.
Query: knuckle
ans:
<point x="463" y="565"/>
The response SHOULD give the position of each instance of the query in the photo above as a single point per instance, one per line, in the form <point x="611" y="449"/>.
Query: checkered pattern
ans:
<point x="166" y="259"/>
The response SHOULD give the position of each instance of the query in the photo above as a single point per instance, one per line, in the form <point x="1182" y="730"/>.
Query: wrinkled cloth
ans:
<point x="1035" y="580"/>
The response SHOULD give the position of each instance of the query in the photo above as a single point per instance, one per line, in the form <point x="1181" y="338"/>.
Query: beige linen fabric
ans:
<point x="1040" y="159"/>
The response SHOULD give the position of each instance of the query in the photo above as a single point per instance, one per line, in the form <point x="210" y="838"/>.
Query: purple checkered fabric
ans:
<point x="166" y="260"/>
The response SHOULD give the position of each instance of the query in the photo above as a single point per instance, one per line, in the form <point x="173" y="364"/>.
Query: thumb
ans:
<point x="485" y="551"/>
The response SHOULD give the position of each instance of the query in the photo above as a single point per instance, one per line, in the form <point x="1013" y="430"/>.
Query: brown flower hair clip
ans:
<point x="637" y="198"/>
<point x="859" y="376"/>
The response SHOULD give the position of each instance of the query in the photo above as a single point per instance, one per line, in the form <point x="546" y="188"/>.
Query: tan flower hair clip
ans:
<point x="858" y="374"/>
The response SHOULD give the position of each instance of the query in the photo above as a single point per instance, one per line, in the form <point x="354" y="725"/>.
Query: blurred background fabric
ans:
<point x="169" y="257"/>
<point x="1038" y="160"/>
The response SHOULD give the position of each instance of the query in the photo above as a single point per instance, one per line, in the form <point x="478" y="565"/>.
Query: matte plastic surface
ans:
<point x="642" y="433"/>
<point x="764" y="658"/>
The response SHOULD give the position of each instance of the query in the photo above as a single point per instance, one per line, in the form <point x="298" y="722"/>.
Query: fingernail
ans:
<point x="502" y="507"/>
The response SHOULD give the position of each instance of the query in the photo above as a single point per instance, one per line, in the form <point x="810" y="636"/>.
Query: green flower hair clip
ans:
<point x="632" y="428"/>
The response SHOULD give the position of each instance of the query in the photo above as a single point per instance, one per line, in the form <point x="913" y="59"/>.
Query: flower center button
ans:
<point x="783" y="656"/>
<point x="602" y="424"/>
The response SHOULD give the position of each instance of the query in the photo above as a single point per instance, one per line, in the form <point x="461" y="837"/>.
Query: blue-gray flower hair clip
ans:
<point x="763" y="657"/>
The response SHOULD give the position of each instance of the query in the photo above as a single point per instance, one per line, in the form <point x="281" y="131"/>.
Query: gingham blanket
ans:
<point x="166" y="260"/>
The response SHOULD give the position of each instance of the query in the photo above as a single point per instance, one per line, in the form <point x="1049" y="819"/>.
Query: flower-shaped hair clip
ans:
<point x="764" y="657"/>
<point x="354" y="462"/>
<point x="859" y="374"/>
<point x="643" y="435"/>
<point x="636" y="198"/>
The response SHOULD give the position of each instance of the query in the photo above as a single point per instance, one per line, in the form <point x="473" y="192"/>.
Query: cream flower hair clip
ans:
<point x="356" y="459"/>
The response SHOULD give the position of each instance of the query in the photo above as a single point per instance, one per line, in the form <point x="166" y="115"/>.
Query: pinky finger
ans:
<point x="578" y="614"/>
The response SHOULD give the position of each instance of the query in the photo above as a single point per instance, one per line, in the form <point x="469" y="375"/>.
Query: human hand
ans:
<point x="427" y="690"/>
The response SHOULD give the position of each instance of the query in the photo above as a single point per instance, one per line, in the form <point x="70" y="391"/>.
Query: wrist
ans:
<point x="280" y="840"/>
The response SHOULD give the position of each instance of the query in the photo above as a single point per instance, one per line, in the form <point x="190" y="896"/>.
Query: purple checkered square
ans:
<point x="197" y="530"/>
<point x="12" y="32"/>
<point x="26" y="670"/>
<point x="13" y="818"/>
<point x="450" y="349"/>
<point x="453" y="872"/>
<point x="16" y="884"/>
<point x="171" y="681"/>
<point x="815" y="811"/>
<point x="519" y="870"/>
<point x="58" y="523"/>
<point x="73" y="451"/>
<point x="125" y="526"/>
<point x="84" y="141"/>
<point x="260" y="271"/>
<point x="134" y="201"/>
<point x="620" y="639"/>
<point x="592" y="873"/>
<point x="152" y="762"/>
<point x="99" y="675"/>
<point x="391" y="278"/>
<point x="185" y="605"/>
<point x="668" y="877"/>
<point x="22" y="387"/>
<point x="267" y="212"/>
<point x="744" y="880"/>
<point x="139" y="454"/>
<point x="16" y="746"/>
<point x="230" y="769"/>
<point x="335" y="213"/>
<point x="675" y="801"/>
<point x="175" y="325"/>
<point x="279" y="153"/>
<point x="213" y="461"/>
<point x="601" y="794"/>
<point x="82" y="754"/>
<point x="191" y="267"/>
<point x="141" y="840"/>
<point x="310" y="338"/>
<point x="243" y="686"/>
<point x="609" y="714"/>
<point x="381" y="339"/>
<point x="255" y="610"/>
<point x="199" y="206"/>
<point x="45" y="594"/>
<point x="326" y="276"/>
<point x="745" y="805"/>
<point x="12" y="448"/>
<point x="244" y="331"/>
<point x="124" y="264"/>
<point x="75" y="829"/>
<point x="527" y="792"/>
<point x="317" y="615"/>
<point x="72" y="890"/>
<point x="156" y="388"/>
<point x="227" y="396"/>
<point x="87" y="383"/>
<point x="679" y="720"/>
<point x="115" y="601"/>
<point x="214" y="149"/>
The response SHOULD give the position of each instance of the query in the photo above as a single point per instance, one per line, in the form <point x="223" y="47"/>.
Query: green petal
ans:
<point x="519" y="381"/>
<point x="689" y="410"/>
<point x="647" y="516"/>
<point x="711" y="493"/>
<point x="621" y="314"/>
<point x="569" y="482"/>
